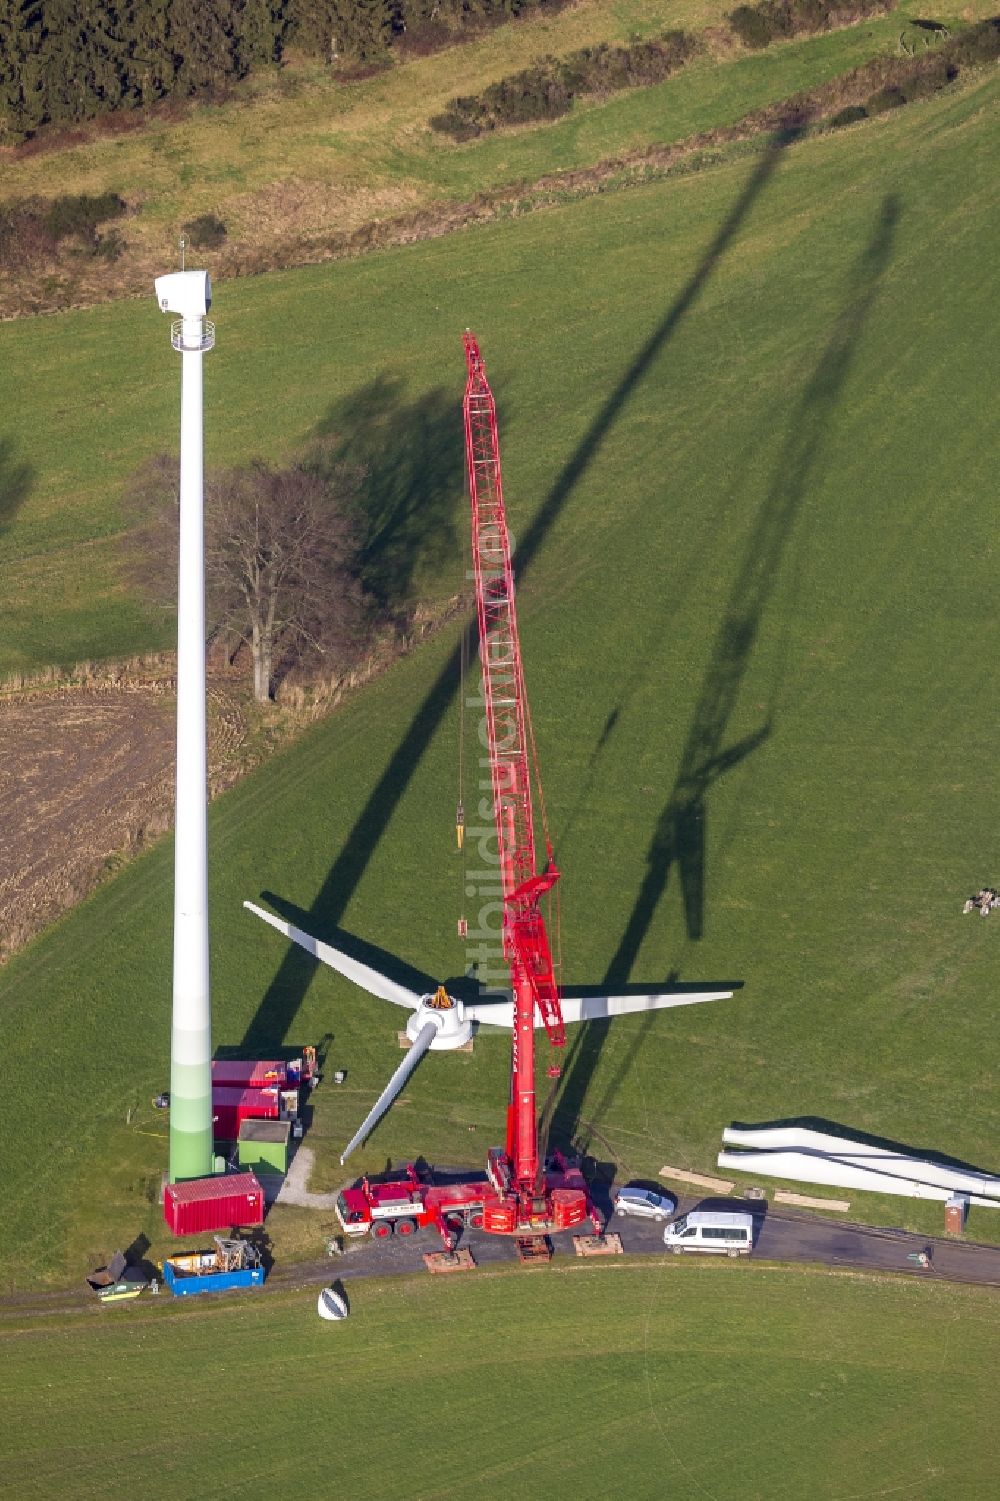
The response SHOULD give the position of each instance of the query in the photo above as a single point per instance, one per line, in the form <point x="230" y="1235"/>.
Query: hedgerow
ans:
<point x="548" y="89"/>
<point x="757" y="26"/>
<point x="901" y="81"/>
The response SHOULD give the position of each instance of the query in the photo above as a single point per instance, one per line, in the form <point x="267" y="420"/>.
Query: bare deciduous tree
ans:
<point x="279" y="547"/>
<point x="279" y="551"/>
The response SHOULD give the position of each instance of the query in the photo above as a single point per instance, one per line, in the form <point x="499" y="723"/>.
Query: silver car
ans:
<point x="645" y="1203"/>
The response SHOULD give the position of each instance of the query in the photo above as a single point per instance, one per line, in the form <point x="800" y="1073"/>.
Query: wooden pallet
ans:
<point x="533" y="1250"/>
<point x="598" y="1245"/>
<point x="406" y="1042"/>
<point x="449" y="1261"/>
<point x="700" y="1180"/>
<point x="806" y="1201"/>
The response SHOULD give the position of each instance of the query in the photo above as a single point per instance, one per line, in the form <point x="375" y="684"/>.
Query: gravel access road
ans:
<point x="784" y="1236"/>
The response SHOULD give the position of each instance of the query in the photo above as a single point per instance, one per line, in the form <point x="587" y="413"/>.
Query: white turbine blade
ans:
<point x="369" y="979"/>
<point x="589" y="1008"/>
<point x="814" y="1167"/>
<point x="493" y="1013"/>
<point x="855" y="1153"/>
<point x="422" y="1042"/>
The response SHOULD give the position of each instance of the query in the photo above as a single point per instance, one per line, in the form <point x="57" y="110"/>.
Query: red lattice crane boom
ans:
<point x="525" y="940"/>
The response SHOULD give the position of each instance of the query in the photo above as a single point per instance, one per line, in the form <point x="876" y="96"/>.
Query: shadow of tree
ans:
<point x="679" y="838"/>
<point x="409" y="454"/>
<point x="16" y="481"/>
<point x="284" y="995"/>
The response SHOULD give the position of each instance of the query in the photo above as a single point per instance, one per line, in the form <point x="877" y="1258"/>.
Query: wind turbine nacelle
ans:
<point x="188" y="293"/>
<point x="454" y="1029"/>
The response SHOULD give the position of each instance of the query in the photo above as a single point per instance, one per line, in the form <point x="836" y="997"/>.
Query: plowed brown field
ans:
<point x="86" y="778"/>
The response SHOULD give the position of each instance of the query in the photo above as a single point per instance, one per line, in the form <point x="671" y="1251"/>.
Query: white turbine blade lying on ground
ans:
<point x="422" y="1042"/>
<point x="815" y="1167"/>
<point x="369" y="979"/>
<point x="590" y="1008"/>
<point x="862" y="1154"/>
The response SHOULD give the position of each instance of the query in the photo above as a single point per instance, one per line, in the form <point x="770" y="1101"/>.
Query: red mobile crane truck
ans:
<point x="520" y="1195"/>
<point x="517" y="1197"/>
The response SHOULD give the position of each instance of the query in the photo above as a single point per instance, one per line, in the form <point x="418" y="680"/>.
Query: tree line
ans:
<point x="65" y="61"/>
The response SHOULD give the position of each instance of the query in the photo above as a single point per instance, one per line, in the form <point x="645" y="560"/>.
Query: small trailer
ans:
<point x="233" y="1263"/>
<point x="117" y="1282"/>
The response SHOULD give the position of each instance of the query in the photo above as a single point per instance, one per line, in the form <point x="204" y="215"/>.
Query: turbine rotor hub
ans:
<point x="454" y="1029"/>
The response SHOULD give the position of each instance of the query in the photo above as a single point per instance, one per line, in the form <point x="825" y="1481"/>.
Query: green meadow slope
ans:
<point x="747" y="434"/>
<point x="638" y="1380"/>
<point x="289" y="162"/>
<point x="298" y="155"/>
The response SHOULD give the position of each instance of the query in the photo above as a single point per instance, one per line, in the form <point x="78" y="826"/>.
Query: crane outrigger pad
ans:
<point x="598" y="1245"/>
<point x="534" y="1250"/>
<point x="450" y="1261"/>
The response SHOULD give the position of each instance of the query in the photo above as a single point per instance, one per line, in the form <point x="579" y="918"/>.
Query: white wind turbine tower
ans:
<point x="189" y="294"/>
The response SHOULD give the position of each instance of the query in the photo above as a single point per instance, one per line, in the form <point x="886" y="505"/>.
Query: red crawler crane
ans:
<point x="521" y="1197"/>
<point x="525" y="940"/>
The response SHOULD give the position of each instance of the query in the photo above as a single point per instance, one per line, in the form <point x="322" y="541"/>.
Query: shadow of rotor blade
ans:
<point x="421" y="1043"/>
<point x="679" y="842"/>
<point x="388" y="964"/>
<point x="679" y="837"/>
<point x="16" y="481"/>
<point x="281" y="1002"/>
<point x="606" y="417"/>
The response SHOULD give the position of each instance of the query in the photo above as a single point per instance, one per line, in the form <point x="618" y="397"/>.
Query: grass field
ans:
<point x="748" y="442"/>
<point x="748" y="438"/>
<point x="308" y="156"/>
<point x="637" y="1380"/>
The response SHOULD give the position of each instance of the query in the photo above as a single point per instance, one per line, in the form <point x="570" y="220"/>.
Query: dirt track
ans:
<point x="85" y="779"/>
<point x="779" y="1239"/>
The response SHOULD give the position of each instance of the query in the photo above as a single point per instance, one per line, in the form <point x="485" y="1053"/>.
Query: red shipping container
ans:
<point x="213" y="1204"/>
<point x="249" y="1073"/>
<point x="230" y="1107"/>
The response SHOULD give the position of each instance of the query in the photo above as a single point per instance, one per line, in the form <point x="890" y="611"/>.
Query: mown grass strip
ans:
<point x="821" y="1386"/>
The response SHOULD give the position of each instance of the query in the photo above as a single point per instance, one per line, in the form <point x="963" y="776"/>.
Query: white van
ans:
<point x="711" y="1230"/>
